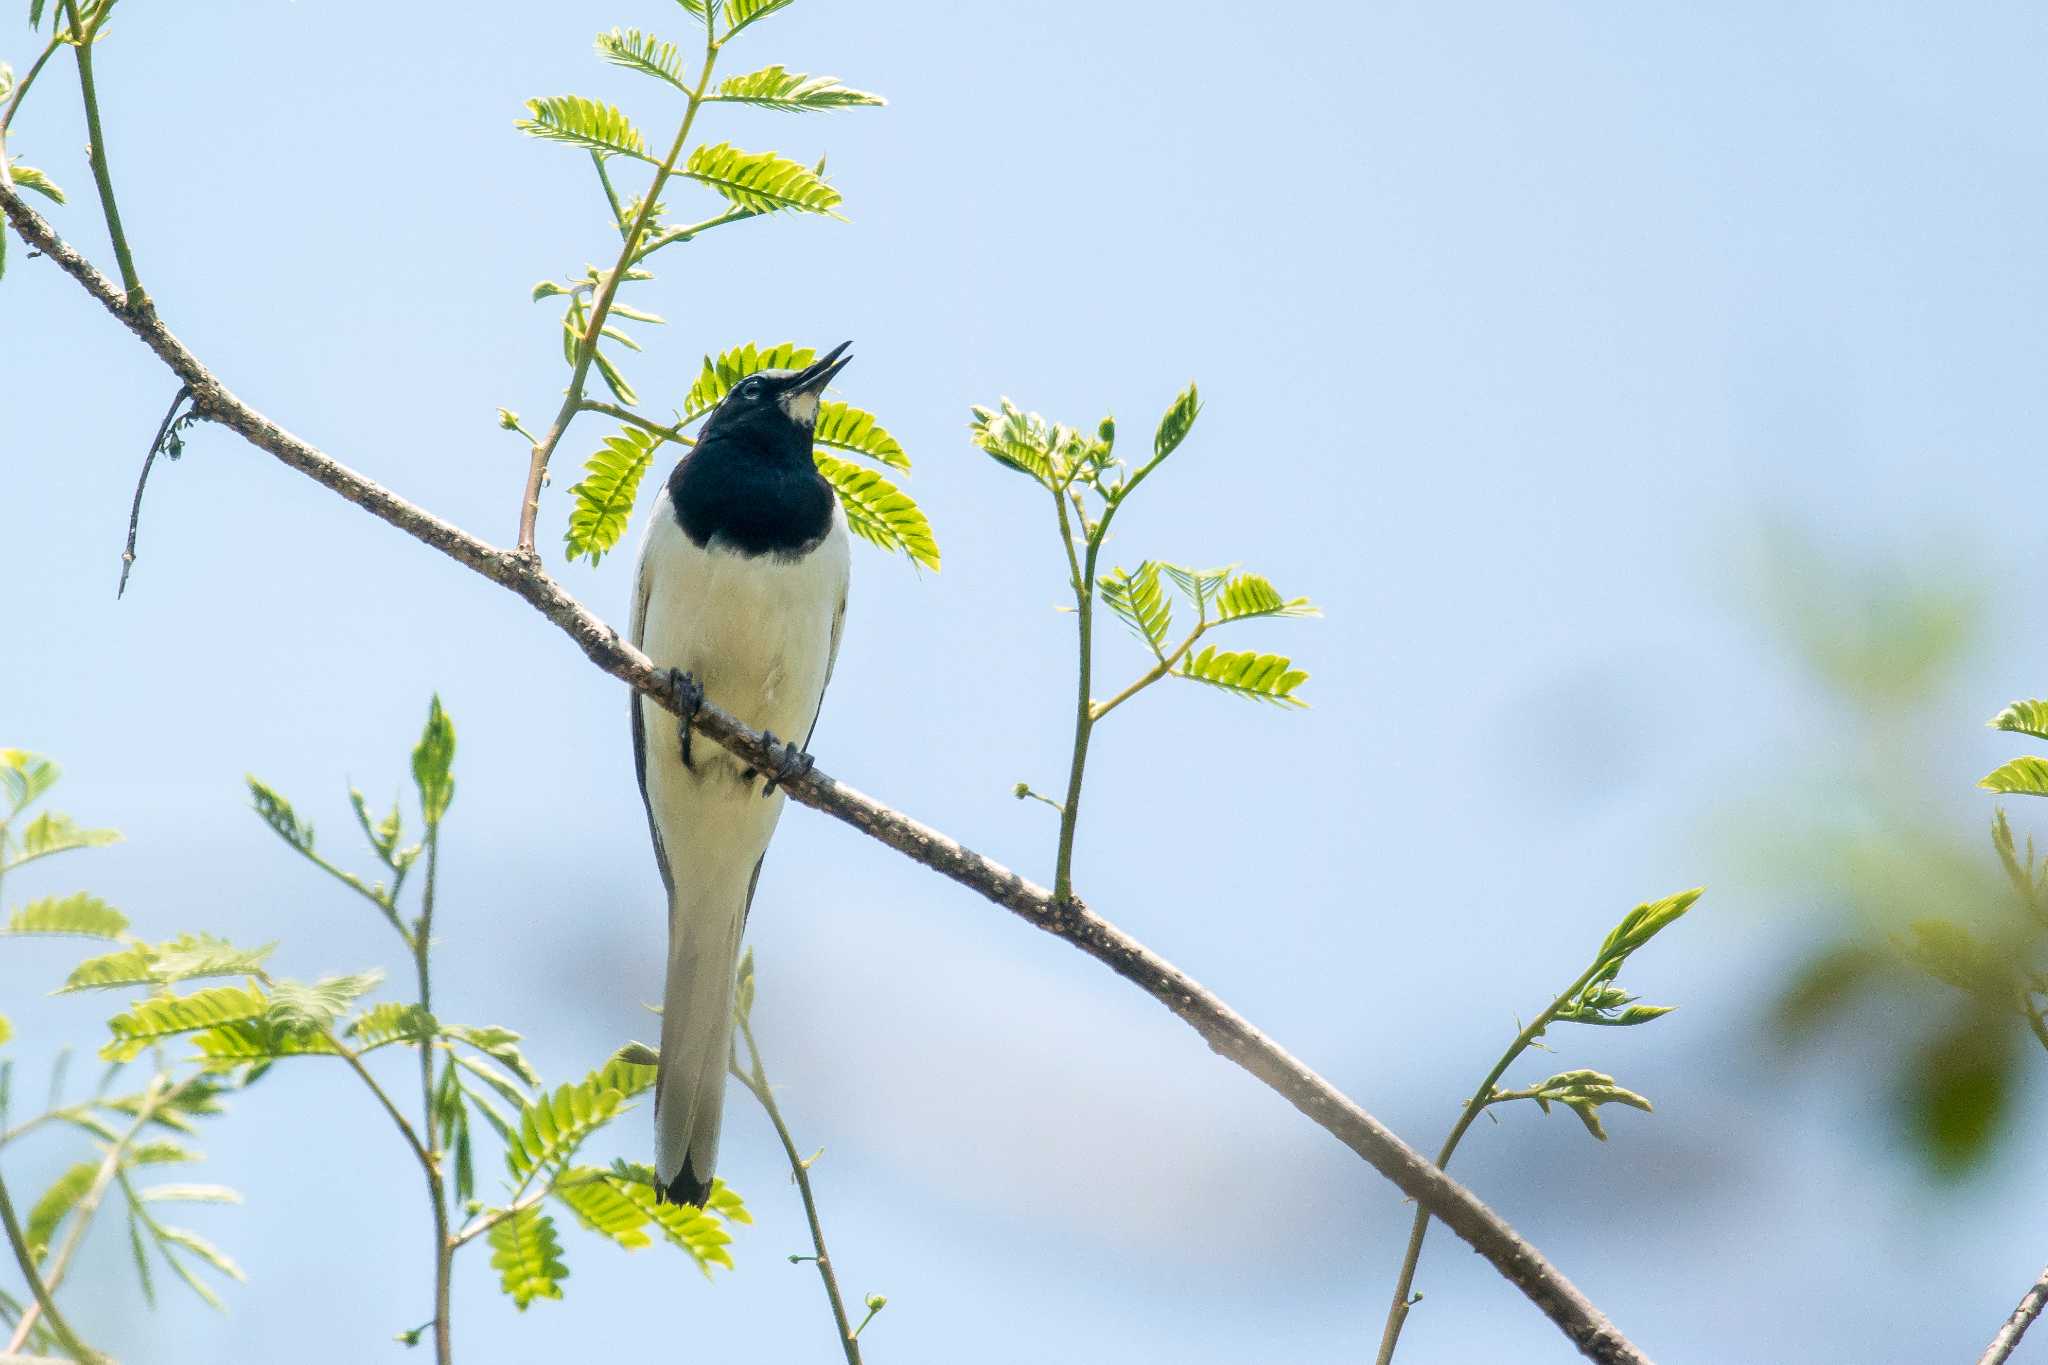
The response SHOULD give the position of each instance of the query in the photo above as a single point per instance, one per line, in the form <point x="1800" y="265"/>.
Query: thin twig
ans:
<point x="19" y="1241"/>
<point x="2016" y="1326"/>
<point x="156" y="1097"/>
<point x="755" y="1079"/>
<point x="21" y="86"/>
<point x="96" y="153"/>
<point x="1397" y="1312"/>
<point x="142" y="479"/>
<point x="1228" y="1033"/>
<point x="600" y="308"/>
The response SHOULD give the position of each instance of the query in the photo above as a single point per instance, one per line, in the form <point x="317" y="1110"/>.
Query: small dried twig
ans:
<point x="163" y="431"/>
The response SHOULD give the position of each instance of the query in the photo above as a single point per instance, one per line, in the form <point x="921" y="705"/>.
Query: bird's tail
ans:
<point x="696" y="1037"/>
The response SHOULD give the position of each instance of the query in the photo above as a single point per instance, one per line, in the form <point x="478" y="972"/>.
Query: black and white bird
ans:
<point x="741" y="590"/>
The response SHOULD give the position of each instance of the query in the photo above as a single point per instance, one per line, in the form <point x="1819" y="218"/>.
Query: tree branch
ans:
<point x="2016" y="1326"/>
<point x="1226" y="1032"/>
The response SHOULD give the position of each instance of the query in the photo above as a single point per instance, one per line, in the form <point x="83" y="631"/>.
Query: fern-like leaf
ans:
<point x="527" y="1255"/>
<point x="1256" y="677"/>
<point x="607" y="492"/>
<point x="2025" y="776"/>
<point x="645" y="53"/>
<point x="841" y="427"/>
<point x="391" y="1022"/>
<point x="700" y="1232"/>
<point x="590" y="124"/>
<point x="774" y="88"/>
<point x="552" y="1126"/>
<point x="879" y="512"/>
<point x="1249" y="595"/>
<point x="1178" y="421"/>
<point x="1140" y="603"/>
<point x="2022" y="717"/>
<point x="228" y="1046"/>
<point x="740" y="13"/>
<point x="25" y="776"/>
<point x="77" y="915"/>
<point x="162" y="1016"/>
<point x="602" y="1209"/>
<point x="52" y="833"/>
<point x="761" y="182"/>
<point x="498" y="1043"/>
<point x="185" y="958"/>
<point x="1201" y="585"/>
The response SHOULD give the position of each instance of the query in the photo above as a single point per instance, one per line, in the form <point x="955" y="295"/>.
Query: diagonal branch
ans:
<point x="2015" y="1327"/>
<point x="1226" y="1032"/>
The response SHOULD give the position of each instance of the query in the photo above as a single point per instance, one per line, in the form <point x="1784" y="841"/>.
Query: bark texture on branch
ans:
<point x="2015" y="1327"/>
<point x="1226" y="1032"/>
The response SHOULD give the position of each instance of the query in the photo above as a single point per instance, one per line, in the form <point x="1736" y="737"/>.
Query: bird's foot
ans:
<point x="793" y="763"/>
<point x="689" y="695"/>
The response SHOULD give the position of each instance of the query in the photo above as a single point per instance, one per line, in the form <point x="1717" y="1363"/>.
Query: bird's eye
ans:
<point x="751" y="389"/>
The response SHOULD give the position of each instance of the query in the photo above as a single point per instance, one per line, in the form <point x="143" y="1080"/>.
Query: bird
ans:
<point x="740" y="593"/>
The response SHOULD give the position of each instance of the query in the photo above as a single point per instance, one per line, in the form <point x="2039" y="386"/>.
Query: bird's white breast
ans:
<point x="755" y="631"/>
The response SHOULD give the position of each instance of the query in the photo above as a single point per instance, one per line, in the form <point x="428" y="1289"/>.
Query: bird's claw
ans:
<point x="793" y="763"/>
<point x="689" y="695"/>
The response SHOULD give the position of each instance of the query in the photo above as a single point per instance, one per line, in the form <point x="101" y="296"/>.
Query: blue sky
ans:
<point x="1515" y="324"/>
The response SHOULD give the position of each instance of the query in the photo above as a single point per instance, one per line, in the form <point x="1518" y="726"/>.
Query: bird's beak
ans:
<point x="814" y="377"/>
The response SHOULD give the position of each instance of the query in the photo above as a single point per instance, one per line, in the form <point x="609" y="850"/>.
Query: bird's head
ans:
<point x="779" y="407"/>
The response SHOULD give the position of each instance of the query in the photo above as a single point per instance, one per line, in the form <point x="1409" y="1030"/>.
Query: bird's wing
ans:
<point x="637" y="626"/>
<point x="831" y="661"/>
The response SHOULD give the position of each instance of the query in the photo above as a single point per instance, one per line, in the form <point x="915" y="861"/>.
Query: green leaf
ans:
<point x="879" y="512"/>
<point x="257" y="1040"/>
<point x="383" y="834"/>
<point x="589" y="124"/>
<point x="2024" y="776"/>
<point x="56" y="1204"/>
<point x="772" y="87"/>
<point x="1257" y="677"/>
<point x="551" y="1127"/>
<point x="206" y="1251"/>
<point x="1136" y="598"/>
<point x="645" y="53"/>
<point x="760" y="182"/>
<point x="52" y="833"/>
<point x="740" y="13"/>
<point x="1583" y="1092"/>
<point x="391" y="1022"/>
<point x="277" y="813"/>
<point x="613" y="380"/>
<point x="719" y="376"/>
<point x="162" y="1016"/>
<point x="1249" y="595"/>
<point x="185" y="958"/>
<point x="6" y="1035"/>
<point x="78" y="914"/>
<point x="2022" y="717"/>
<point x="602" y="1208"/>
<point x="1036" y="448"/>
<point x="638" y="1054"/>
<point x="498" y="1043"/>
<point x="301" y="1008"/>
<point x="160" y="1152"/>
<point x="1644" y="923"/>
<point x="28" y="177"/>
<point x="604" y="498"/>
<point x="1174" y="426"/>
<point x="849" y="429"/>
<point x="528" y="1257"/>
<point x="432" y="758"/>
<point x="1200" y="584"/>
<point x="24" y="777"/>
